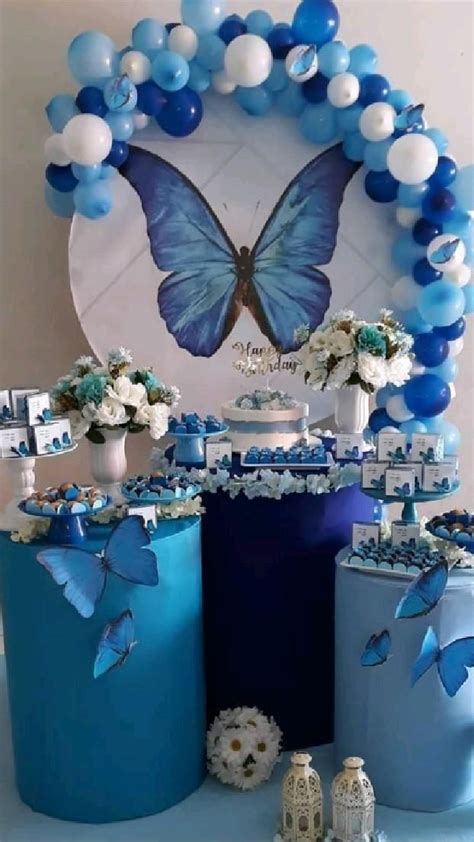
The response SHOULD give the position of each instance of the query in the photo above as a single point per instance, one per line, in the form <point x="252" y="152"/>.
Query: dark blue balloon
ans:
<point x="182" y="113"/>
<point x="373" y="88"/>
<point x="315" y="89"/>
<point x="424" y="273"/>
<point x="61" y="178"/>
<point x="426" y="395"/>
<point x="445" y="172"/>
<point x="381" y="186"/>
<point x="315" y="22"/>
<point x="171" y="26"/>
<point x="430" y="349"/>
<point x="439" y="205"/>
<point x="379" y="419"/>
<point x="231" y="28"/>
<point x="424" y="231"/>
<point x="452" y="332"/>
<point x="91" y="100"/>
<point x="281" y="40"/>
<point x="118" y="154"/>
<point x="150" y="98"/>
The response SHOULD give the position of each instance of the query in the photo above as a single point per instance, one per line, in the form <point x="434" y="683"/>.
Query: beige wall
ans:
<point x="425" y="46"/>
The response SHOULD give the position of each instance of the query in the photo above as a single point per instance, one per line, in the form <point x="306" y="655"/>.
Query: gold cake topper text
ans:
<point x="266" y="360"/>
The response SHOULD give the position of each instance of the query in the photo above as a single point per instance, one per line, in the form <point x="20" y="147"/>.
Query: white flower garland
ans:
<point x="243" y="746"/>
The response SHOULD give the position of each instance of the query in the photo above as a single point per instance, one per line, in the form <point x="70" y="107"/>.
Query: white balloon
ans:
<point x="55" y="152"/>
<point x="417" y="368"/>
<point x="140" y="120"/>
<point x="456" y="346"/>
<point x="295" y="63"/>
<point x="343" y="90"/>
<point x="248" y="60"/>
<point x="452" y="389"/>
<point x="222" y="84"/>
<point x="412" y="159"/>
<point x="405" y="293"/>
<point x="184" y="41"/>
<point x="377" y="121"/>
<point x="389" y="430"/>
<point x="406" y="217"/>
<point x="459" y="276"/>
<point x="435" y="250"/>
<point x="87" y="139"/>
<point x="398" y="410"/>
<point x="137" y="66"/>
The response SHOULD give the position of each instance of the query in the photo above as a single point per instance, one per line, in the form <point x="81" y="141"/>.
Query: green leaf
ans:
<point x="95" y="436"/>
<point x="136" y="428"/>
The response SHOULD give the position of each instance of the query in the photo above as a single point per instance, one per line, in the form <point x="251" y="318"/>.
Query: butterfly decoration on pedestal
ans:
<point x="452" y="661"/>
<point x="377" y="649"/>
<point x="45" y="416"/>
<point x="403" y="490"/>
<point x="21" y="450"/>
<point x="116" y="643"/>
<point x="445" y="252"/>
<point x="397" y="455"/>
<point x="424" y="593"/>
<point x="444" y="485"/>
<point x="210" y="282"/>
<point x="410" y="119"/>
<point x="379" y="484"/>
<point x="353" y="453"/>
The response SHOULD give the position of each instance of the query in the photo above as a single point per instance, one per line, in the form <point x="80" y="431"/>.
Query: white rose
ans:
<point x="373" y="370"/>
<point x="340" y="343"/>
<point x="110" y="413"/>
<point x="317" y="341"/>
<point x="341" y="372"/>
<point x="398" y="370"/>
<point x="79" y="425"/>
<point x="126" y="392"/>
<point x="155" y="417"/>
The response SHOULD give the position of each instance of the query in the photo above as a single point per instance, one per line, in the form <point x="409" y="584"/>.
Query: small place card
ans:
<point x="405" y="534"/>
<point x="365" y="533"/>
<point x="427" y="447"/>
<point x="17" y="398"/>
<point x="440" y="477"/>
<point x="147" y="513"/>
<point x="392" y="447"/>
<point x="47" y="438"/>
<point x="218" y="451"/>
<point x="5" y="406"/>
<point x="64" y="431"/>
<point x="373" y="475"/>
<point x="37" y="408"/>
<point x="349" y="446"/>
<point x="14" y="442"/>
<point x="399" y="482"/>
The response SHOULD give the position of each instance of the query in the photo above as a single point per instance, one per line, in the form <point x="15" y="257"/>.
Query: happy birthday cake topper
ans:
<point x="266" y="360"/>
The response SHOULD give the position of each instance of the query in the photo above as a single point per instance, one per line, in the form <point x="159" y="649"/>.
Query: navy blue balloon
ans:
<point x="424" y="231"/>
<point x="61" y="178"/>
<point x="118" y="153"/>
<point x="439" y="205"/>
<point x="424" y="273"/>
<point x="315" y="22"/>
<point x="379" y="419"/>
<point x="171" y="26"/>
<point x="91" y="100"/>
<point x="426" y="395"/>
<point x="453" y="331"/>
<point x="445" y="172"/>
<point x="430" y="349"/>
<point x="381" y="186"/>
<point x="373" y="88"/>
<point x="182" y="113"/>
<point x="231" y="28"/>
<point x="281" y="40"/>
<point x="150" y="98"/>
<point x="315" y="89"/>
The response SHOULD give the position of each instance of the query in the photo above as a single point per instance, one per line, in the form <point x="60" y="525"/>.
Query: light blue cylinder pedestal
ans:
<point x="131" y="743"/>
<point x="416" y="741"/>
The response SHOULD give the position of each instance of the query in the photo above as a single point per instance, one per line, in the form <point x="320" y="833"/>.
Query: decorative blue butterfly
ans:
<point x="45" y="416"/>
<point x="403" y="490"/>
<point x="119" y="92"/>
<point x="397" y="455"/>
<point x="6" y="413"/>
<point x="410" y="118"/>
<point x="116" y="643"/>
<point x="429" y="455"/>
<point x="444" y="485"/>
<point x="424" y="593"/>
<point x="21" y="450"/>
<point x="445" y="252"/>
<point x="354" y="453"/>
<point x="451" y="661"/>
<point x="378" y="483"/>
<point x="305" y="60"/>
<point x="85" y="573"/>
<point x="377" y="649"/>
<point x="66" y="440"/>
<point x="210" y="281"/>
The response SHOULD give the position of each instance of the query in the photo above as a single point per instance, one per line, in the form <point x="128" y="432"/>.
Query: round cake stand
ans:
<point x="409" y="513"/>
<point x="66" y="529"/>
<point x="467" y="545"/>
<point x="152" y="497"/>
<point x="190" y="448"/>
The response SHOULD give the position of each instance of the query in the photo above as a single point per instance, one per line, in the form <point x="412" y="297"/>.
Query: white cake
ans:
<point x="265" y="418"/>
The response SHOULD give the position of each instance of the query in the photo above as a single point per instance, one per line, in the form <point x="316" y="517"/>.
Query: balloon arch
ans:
<point x="334" y="92"/>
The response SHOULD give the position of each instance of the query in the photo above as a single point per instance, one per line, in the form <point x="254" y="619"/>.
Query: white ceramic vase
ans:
<point x="109" y="462"/>
<point x="352" y="409"/>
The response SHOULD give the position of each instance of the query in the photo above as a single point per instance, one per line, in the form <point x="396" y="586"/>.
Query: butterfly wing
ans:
<point x="286" y="290"/>
<point x="453" y="662"/>
<point x="428" y="656"/>
<point x="424" y="593"/>
<point x="115" y="644"/>
<point x="197" y="300"/>
<point x="83" y="574"/>
<point x="377" y="649"/>
<point x="304" y="61"/>
<point x="126" y="554"/>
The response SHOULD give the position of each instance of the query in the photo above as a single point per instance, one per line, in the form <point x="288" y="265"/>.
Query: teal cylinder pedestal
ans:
<point x="132" y="742"/>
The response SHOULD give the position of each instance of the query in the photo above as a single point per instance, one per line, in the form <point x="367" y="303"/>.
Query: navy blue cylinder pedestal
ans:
<point x="268" y="568"/>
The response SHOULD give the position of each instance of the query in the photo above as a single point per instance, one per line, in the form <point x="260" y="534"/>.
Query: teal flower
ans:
<point x="91" y="389"/>
<point x="147" y="377"/>
<point x="371" y="340"/>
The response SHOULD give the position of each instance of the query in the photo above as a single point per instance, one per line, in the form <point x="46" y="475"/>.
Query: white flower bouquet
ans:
<point x="352" y="352"/>
<point x="99" y="397"/>
<point x="243" y="746"/>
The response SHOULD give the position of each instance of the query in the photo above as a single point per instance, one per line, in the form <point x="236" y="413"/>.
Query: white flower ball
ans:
<point x="413" y="158"/>
<point x="397" y="409"/>
<point x="55" y="152"/>
<point x="459" y="276"/>
<point x="222" y="84"/>
<point x="406" y="217"/>
<point x="140" y="120"/>
<point x="137" y="66"/>
<point x="184" y="41"/>
<point x="446" y="252"/>
<point x="456" y="346"/>
<point x="343" y="90"/>
<point x="377" y="121"/>
<point x="405" y="293"/>
<point x="87" y="139"/>
<point x="248" y="60"/>
<point x="302" y="63"/>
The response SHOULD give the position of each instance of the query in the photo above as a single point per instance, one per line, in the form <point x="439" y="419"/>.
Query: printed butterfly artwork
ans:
<point x="210" y="281"/>
<point x="452" y="661"/>
<point x="424" y="593"/>
<point x="85" y="574"/>
<point x="116" y="643"/>
<point x="445" y="252"/>
<point x="120" y="92"/>
<point x="377" y="649"/>
<point x="410" y="119"/>
<point x="304" y="61"/>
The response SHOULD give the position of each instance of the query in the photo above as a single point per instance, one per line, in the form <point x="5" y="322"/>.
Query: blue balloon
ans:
<point x="61" y="178"/>
<point x="426" y="395"/>
<point x="433" y="424"/>
<point x="463" y="188"/>
<point x="424" y="273"/>
<point x="424" y="231"/>
<point x="399" y="99"/>
<point x="315" y="89"/>
<point x="448" y="370"/>
<point x="259" y="23"/>
<point x="90" y="100"/>
<point x="318" y="123"/>
<point x="381" y="186"/>
<point x="348" y="118"/>
<point x="451" y="437"/>
<point x="363" y="60"/>
<point x="203" y="15"/>
<point x="453" y="331"/>
<point x="107" y="171"/>
<point x="354" y="146"/>
<point x="291" y="101"/>
<point x="316" y="23"/>
<point x="170" y="71"/>
<point x="405" y="252"/>
<point x="255" y="101"/>
<point x="61" y="204"/>
<point x="411" y="195"/>
<point x="386" y="392"/>
<point x="199" y="78"/>
<point x="441" y="303"/>
<point x="121" y="125"/>
<point x="413" y="322"/>
<point x="86" y="175"/>
<point x="333" y="58"/>
<point x="379" y="419"/>
<point x="468" y="292"/>
<point x="375" y="156"/>
<point x="93" y="200"/>
<point x="210" y="53"/>
<point x="439" y="205"/>
<point x="412" y="426"/>
<point x="149" y="36"/>
<point x="281" y="40"/>
<point x="445" y="172"/>
<point x="231" y="28"/>
<point x="150" y="98"/>
<point x="373" y="88"/>
<point x="181" y="114"/>
<point x="430" y="349"/>
<point x="439" y="139"/>
<point x="93" y="58"/>
<point x="278" y="79"/>
<point x="118" y="153"/>
<point x="463" y="226"/>
<point x="60" y="109"/>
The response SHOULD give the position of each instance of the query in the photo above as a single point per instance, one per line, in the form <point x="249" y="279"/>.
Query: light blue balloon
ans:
<point x="60" y="109"/>
<point x="399" y="99"/>
<point x="199" y="78"/>
<point x="375" y="155"/>
<point x="452" y="438"/>
<point x="210" y="52"/>
<point x="259" y="23"/>
<point x="121" y="125"/>
<point x="93" y="58"/>
<point x="255" y="101"/>
<point x="413" y="322"/>
<point x="412" y="195"/>
<point x="439" y="139"/>
<point x="441" y="303"/>
<point x="448" y="370"/>
<point x="363" y="60"/>
<point x="318" y="123"/>
<point x="385" y="393"/>
<point x="333" y="58"/>
<point x="61" y="204"/>
<point x="170" y="71"/>
<point x="278" y="79"/>
<point x="354" y="146"/>
<point x="149" y="36"/>
<point x="468" y="292"/>
<point x="86" y="175"/>
<point x="203" y="15"/>
<point x="93" y="200"/>
<point x="412" y="426"/>
<point x="291" y="101"/>
<point x="107" y="172"/>
<point x="463" y="188"/>
<point x="434" y="424"/>
<point x="348" y="118"/>
<point x="405" y="252"/>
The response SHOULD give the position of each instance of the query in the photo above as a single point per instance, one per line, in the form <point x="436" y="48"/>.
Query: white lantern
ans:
<point x="302" y="819"/>
<point x="352" y="802"/>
